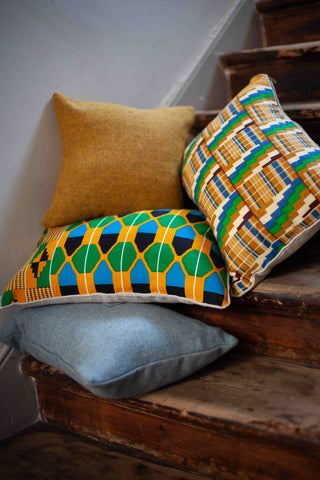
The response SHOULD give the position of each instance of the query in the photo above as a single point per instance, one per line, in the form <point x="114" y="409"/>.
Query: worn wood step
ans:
<point x="50" y="453"/>
<point x="289" y="21"/>
<point x="294" y="68"/>
<point x="306" y="114"/>
<point x="244" y="417"/>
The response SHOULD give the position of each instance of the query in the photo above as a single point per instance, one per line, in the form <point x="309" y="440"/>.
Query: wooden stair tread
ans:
<point x="265" y="6"/>
<point x="46" y="452"/>
<point x="304" y="109"/>
<point x="295" y="68"/>
<point x="292" y="50"/>
<point x="286" y="21"/>
<point x="262" y="394"/>
<point x="227" y="419"/>
<point x="296" y="279"/>
<point x="306" y="114"/>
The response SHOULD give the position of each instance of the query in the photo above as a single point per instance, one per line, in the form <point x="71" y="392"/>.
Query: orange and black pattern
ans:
<point x="158" y="255"/>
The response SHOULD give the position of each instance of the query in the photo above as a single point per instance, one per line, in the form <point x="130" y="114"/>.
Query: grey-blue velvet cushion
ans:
<point x="117" y="350"/>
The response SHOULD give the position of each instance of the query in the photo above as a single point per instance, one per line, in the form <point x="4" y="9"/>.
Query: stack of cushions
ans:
<point x="255" y="175"/>
<point x="116" y="231"/>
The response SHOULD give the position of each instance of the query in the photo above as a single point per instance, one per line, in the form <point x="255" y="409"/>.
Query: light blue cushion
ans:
<point x="117" y="350"/>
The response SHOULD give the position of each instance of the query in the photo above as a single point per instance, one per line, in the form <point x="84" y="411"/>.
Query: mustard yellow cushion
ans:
<point x="117" y="159"/>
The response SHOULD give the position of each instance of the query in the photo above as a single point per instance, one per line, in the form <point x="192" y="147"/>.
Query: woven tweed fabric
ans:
<point x="160" y="255"/>
<point x="256" y="176"/>
<point x="116" y="159"/>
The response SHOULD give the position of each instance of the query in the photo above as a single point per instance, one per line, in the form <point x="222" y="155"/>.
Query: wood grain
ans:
<point x="294" y="68"/>
<point x="290" y="21"/>
<point x="51" y="454"/>
<point x="227" y="420"/>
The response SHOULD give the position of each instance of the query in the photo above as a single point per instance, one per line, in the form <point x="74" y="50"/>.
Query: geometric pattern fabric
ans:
<point x="159" y="255"/>
<point x="255" y="175"/>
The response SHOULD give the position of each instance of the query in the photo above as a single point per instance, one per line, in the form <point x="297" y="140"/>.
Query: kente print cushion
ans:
<point x="255" y="174"/>
<point x="117" y="159"/>
<point x="159" y="255"/>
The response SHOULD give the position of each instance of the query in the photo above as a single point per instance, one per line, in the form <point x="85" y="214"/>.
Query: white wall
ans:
<point x="119" y="51"/>
<point x="18" y="402"/>
<point x="206" y="88"/>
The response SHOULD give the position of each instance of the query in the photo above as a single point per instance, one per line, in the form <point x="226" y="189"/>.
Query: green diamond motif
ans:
<point x="122" y="256"/>
<point x="7" y="298"/>
<point x="102" y="223"/>
<point x="176" y="221"/>
<point x="57" y="261"/>
<point x="203" y="229"/>
<point x="159" y="257"/>
<point x="135" y="219"/>
<point x="86" y="258"/>
<point x="73" y="226"/>
<point x="224" y="276"/>
<point x="197" y="263"/>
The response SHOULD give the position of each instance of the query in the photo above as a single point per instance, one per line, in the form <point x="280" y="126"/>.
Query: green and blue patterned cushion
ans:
<point x="255" y="175"/>
<point x="146" y="256"/>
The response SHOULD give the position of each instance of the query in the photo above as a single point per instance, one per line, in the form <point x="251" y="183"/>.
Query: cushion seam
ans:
<point x="149" y="364"/>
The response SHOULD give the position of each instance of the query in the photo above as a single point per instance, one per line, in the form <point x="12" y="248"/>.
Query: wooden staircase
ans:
<point x="254" y="414"/>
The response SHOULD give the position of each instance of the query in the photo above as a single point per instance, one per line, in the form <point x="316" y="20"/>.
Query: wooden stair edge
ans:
<point x="308" y="108"/>
<point x="307" y="115"/>
<point x="197" y="423"/>
<point x="267" y="6"/>
<point x="67" y="455"/>
<point x="292" y="52"/>
<point x="283" y="21"/>
<point x="297" y="111"/>
<point x="171" y="404"/>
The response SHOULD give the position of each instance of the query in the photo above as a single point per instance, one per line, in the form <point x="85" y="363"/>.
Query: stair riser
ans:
<point x="295" y="71"/>
<point x="295" y="338"/>
<point x="294" y="81"/>
<point x="311" y="126"/>
<point x="288" y="25"/>
<point x="224" y="450"/>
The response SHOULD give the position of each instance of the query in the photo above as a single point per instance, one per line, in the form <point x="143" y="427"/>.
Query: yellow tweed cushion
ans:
<point x="117" y="159"/>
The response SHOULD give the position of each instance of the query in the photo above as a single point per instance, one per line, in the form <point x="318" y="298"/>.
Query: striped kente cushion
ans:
<point x="255" y="174"/>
